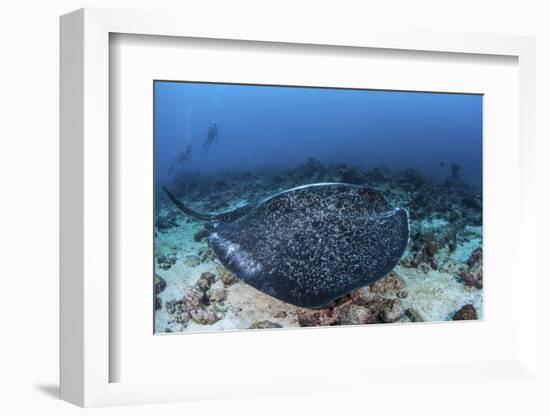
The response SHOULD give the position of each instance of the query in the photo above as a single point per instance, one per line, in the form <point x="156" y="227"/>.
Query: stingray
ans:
<point x="310" y="245"/>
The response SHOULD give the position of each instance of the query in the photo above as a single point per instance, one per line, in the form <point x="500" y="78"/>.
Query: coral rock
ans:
<point x="424" y="257"/>
<point x="182" y="318"/>
<point x="203" y="284"/>
<point x="205" y="316"/>
<point x="160" y="284"/>
<point x="208" y="255"/>
<point x="210" y="277"/>
<point x="166" y="261"/>
<point x="353" y="309"/>
<point x="431" y="244"/>
<point x="264" y="325"/>
<point x="472" y="279"/>
<point x="467" y="312"/>
<point x="171" y="307"/>
<point x="165" y="222"/>
<point x="317" y="317"/>
<point x="412" y="179"/>
<point x="195" y="305"/>
<point x="475" y="258"/>
<point x="414" y="315"/>
<point x="391" y="283"/>
<point x="419" y="205"/>
<point x="357" y="315"/>
<point x="226" y="276"/>
<point x="351" y="175"/>
<point x="217" y="295"/>
<point x="192" y="299"/>
<point x="391" y="310"/>
<point x="205" y="281"/>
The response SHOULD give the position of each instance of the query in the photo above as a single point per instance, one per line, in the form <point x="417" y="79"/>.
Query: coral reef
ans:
<point x="199" y="303"/>
<point x="413" y="180"/>
<point x="438" y="278"/>
<point x="359" y="307"/>
<point x="391" y="283"/>
<point x="351" y="174"/>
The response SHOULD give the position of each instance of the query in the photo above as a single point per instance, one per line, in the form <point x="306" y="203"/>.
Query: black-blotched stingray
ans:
<point x="312" y="244"/>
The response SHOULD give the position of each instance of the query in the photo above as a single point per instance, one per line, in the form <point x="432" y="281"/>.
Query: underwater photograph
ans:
<point x="288" y="206"/>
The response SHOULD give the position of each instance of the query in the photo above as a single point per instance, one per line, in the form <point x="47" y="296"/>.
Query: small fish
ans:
<point x="442" y="164"/>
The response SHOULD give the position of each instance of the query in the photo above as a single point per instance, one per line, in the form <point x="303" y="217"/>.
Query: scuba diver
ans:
<point x="211" y="137"/>
<point x="181" y="158"/>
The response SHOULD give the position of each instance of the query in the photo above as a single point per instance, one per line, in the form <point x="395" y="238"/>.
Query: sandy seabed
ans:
<point x="435" y="295"/>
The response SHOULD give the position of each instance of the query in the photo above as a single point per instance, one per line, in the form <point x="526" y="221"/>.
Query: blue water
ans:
<point x="280" y="127"/>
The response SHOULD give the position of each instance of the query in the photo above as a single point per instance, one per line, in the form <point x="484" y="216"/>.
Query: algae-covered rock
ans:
<point x="391" y="283"/>
<point x="207" y="255"/>
<point x="205" y="316"/>
<point x="205" y="281"/>
<point x="391" y="310"/>
<point x="165" y="261"/>
<point x="357" y="315"/>
<point x="466" y="313"/>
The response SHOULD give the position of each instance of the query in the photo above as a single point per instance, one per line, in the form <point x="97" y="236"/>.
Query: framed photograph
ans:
<point x="294" y="205"/>
<point x="315" y="206"/>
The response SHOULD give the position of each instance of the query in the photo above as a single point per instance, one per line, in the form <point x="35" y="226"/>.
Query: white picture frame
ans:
<point x="86" y="355"/>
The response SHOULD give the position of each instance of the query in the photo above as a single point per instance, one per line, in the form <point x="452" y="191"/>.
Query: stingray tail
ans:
<point x="188" y="211"/>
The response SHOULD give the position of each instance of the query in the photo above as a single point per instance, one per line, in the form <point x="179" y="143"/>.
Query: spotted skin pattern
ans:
<point x="313" y="244"/>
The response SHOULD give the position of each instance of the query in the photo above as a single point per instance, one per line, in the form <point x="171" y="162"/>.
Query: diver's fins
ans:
<point x="188" y="211"/>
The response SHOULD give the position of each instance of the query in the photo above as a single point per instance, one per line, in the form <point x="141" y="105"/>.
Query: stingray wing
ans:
<point x="310" y="245"/>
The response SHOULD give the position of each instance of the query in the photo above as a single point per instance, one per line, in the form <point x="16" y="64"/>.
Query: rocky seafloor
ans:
<point x="439" y="278"/>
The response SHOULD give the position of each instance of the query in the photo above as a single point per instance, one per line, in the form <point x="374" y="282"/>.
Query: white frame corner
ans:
<point x="84" y="156"/>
